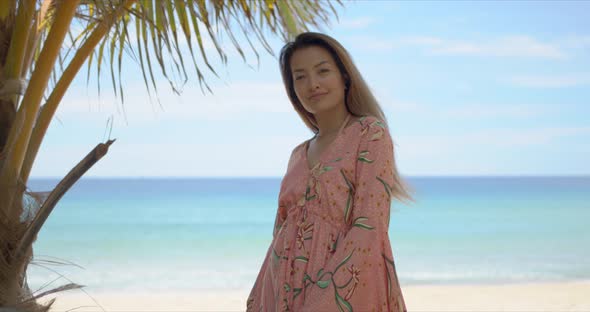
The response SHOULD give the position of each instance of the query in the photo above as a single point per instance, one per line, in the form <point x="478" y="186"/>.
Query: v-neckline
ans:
<point x="326" y="149"/>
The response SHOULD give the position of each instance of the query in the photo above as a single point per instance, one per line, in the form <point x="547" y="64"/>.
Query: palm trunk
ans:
<point x="17" y="234"/>
<point x="14" y="291"/>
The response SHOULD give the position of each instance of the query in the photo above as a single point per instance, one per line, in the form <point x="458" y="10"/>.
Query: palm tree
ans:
<point x="37" y="67"/>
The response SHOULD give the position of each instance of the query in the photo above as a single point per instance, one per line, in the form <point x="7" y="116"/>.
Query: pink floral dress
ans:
<point x="330" y="249"/>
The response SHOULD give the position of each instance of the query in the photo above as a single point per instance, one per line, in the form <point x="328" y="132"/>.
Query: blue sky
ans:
<point x="469" y="88"/>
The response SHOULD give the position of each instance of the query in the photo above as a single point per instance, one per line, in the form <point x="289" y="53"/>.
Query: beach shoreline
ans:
<point x="545" y="296"/>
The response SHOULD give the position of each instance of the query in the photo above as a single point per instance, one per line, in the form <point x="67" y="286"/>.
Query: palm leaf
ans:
<point x="99" y="32"/>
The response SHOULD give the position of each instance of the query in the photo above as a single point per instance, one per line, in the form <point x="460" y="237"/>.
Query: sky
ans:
<point x="468" y="88"/>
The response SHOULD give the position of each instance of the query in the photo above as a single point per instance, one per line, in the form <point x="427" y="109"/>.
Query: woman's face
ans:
<point x="317" y="81"/>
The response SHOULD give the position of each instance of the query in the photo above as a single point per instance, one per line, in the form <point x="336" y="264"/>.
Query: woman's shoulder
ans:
<point x="373" y="129"/>
<point x="298" y="149"/>
<point x="370" y="124"/>
<point x="371" y="121"/>
<point x="299" y="146"/>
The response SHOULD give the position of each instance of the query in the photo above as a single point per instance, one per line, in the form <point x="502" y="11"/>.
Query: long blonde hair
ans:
<point x="359" y="99"/>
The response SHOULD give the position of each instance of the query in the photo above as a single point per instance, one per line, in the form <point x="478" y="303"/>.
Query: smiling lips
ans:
<point x="316" y="95"/>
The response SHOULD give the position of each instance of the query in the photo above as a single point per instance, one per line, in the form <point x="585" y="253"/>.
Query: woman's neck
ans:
<point x="329" y="123"/>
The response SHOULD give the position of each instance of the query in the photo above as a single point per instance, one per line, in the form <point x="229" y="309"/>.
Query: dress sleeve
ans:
<point x="280" y="216"/>
<point x="281" y="213"/>
<point x="279" y="220"/>
<point x="361" y="275"/>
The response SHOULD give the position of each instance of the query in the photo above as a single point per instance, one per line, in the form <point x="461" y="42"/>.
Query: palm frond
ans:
<point x="101" y="33"/>
<point x="157" y="23"/>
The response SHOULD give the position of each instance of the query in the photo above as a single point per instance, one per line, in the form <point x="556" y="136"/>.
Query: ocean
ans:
<point x="191" y="234"/>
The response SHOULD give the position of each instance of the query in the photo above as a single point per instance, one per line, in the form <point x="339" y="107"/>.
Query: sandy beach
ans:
<point x="570" y="296"/>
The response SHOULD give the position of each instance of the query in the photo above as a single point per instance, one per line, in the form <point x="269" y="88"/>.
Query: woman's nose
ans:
<point x="313" y="83"/>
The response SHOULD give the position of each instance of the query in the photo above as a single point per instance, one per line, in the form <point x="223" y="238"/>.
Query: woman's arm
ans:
<point x="361" y="274"/>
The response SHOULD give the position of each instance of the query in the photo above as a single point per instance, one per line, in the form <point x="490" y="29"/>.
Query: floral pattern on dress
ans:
<point x="330" y="249"/>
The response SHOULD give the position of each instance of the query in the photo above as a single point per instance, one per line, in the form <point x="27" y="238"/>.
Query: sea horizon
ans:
<point x="199" y="233"/>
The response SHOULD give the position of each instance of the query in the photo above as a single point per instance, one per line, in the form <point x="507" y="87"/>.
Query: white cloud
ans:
<point x="465" y="111"/>
<point x="505" y="138"/>
<point x="227" y="102"/>
<point x="489" y="110"/>
<point x="421" y="40"/>
<point x="229" y="156"/>
<point x="576" y="41"/>
<point x="507" y="46"/>
<point x="485" y="152"/>
<point x="553" y="81"/>
<point x="469" y="153"/>
<point x="356" y="23"/>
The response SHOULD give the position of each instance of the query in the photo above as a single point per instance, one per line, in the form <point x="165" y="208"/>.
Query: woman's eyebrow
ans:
<point x="316" y="65"/>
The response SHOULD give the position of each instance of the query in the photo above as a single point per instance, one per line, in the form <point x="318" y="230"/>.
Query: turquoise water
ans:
<point x="192" y="234"/>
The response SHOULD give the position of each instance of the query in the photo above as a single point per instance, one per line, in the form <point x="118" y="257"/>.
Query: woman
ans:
<point x="330" y="248"/>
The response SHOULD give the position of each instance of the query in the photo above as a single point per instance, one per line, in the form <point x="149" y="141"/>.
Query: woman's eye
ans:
<point x="324" y="70"/>
<point x="299" y="77"/>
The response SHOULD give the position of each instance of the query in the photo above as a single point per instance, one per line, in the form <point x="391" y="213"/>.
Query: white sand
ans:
<point x="573" y="296"/>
